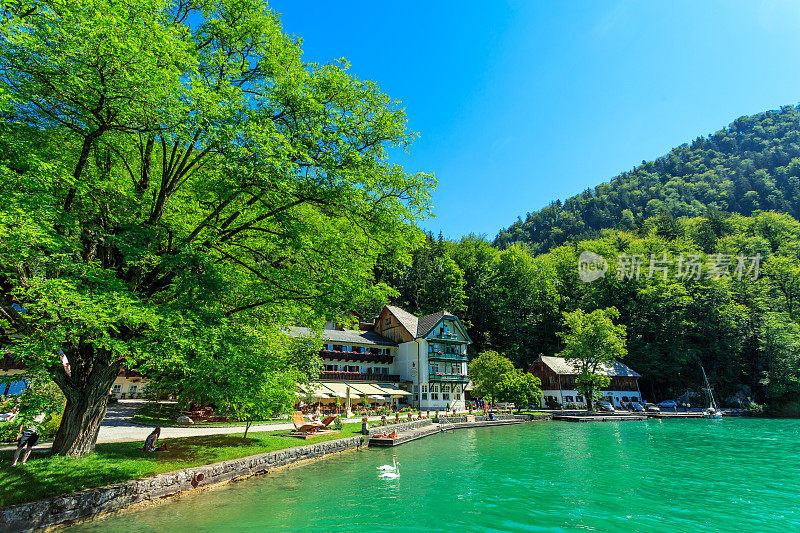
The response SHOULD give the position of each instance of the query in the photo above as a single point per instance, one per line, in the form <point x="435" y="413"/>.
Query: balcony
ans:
<point x="457" y="357"/>
<point x="447" y="337"/>
<point x="449" y="378"/>
<point x="358" y="376"/>
<point x="335" y="355"/>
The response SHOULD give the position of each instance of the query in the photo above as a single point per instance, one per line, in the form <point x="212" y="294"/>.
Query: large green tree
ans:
<point x="521" y="388"/>
<point x="592" y="341"/>
<point x="486" y="371"/>
<point x="175" y="166"/>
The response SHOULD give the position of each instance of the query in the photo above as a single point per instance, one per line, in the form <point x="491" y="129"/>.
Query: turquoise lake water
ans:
<point x="672" y="475"/>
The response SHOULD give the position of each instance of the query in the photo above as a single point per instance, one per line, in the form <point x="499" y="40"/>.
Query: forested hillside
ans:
<point x="744" y="331"/>
<point x="754" y="164"/>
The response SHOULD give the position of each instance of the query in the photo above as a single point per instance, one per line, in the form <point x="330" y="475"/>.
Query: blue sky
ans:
<point x="519" y="103"/>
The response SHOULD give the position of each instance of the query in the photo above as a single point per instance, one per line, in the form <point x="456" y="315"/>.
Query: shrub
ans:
<point x="337" y="424"/>
<point x="8" y="431"/>
<point x="50" y="428"/>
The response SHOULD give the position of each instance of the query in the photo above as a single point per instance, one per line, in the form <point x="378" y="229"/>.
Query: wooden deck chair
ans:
<point x="327" y="421"/>
<point x="302" y="426"/>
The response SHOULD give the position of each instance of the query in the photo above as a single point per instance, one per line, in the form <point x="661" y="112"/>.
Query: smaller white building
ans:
<point x="558" y="383"/>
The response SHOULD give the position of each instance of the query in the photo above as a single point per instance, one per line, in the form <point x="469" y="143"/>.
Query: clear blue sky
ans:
<point x="519" y="103"/>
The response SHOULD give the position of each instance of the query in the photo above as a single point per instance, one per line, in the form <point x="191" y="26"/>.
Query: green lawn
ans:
<point x="45" y="476"/>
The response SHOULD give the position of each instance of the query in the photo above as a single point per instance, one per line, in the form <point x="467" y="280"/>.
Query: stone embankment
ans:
<point x="417" y="429"/>
<point x="62" y="509"/>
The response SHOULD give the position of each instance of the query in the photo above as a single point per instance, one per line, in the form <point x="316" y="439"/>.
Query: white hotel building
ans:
<point x="417" y="361"/>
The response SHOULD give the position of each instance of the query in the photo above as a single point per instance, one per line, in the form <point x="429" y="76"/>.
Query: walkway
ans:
<point x="117" y="427"/>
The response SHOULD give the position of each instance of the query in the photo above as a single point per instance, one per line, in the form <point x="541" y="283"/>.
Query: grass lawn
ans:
<point x="50" y="475"/>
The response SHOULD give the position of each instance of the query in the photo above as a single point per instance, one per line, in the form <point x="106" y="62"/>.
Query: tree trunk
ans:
<point x="590" y="399"/>
<point x="246" y="429"/>
<point x="86" y="390"/>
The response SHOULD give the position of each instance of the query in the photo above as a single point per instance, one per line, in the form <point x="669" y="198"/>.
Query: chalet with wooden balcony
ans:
<point x="558" y="382"/>
<point x="419" y="361"/>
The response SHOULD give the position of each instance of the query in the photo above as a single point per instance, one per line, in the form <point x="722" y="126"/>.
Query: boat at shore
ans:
<point x="713" y="412"/>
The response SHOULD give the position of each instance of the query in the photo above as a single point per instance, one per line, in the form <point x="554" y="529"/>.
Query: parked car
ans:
<point x="668" y="404"/>
<point x="605" y="406"/>
<point x="650" y="408"/>
<point x="636" y="407"/>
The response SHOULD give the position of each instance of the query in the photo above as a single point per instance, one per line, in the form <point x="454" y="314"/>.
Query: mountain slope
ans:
<point x="753" y="164"/>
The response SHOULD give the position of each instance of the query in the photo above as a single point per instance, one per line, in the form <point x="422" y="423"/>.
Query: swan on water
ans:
<point x="391" y="471"/>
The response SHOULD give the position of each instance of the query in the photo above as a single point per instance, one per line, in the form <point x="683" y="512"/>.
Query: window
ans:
<point x="424" y="388"/>
<point x="424" y="396"/>
<point x="388" y="320"/>
<point x="331" y="368"/>
<point x="457" y="396"/>
<point x="337" y="348"/>
<point x="434" y="388"/>
<point x="567" y="398"/>
<point x="445" y="388"/>
<point x="117" y="388"/>
<point x="385" y="370"/>
<point x="434" y="396"/>
<point x="445" y="396"/>
<point x="132" y="389"/>
<point x="579" y="399"/>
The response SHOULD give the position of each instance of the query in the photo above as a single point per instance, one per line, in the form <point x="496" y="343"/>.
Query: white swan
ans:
<point x="391" y="471"/>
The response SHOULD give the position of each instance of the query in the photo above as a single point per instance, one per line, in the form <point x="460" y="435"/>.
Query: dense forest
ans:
<point x="743" y="330"/>
<point x="753" y="164"/>
<point x="732" y="196"/>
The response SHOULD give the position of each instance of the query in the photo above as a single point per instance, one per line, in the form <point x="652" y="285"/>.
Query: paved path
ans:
<point x="117" y="427"/>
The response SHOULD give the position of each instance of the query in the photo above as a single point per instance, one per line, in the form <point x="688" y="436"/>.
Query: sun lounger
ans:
<point x="302" y="426"/>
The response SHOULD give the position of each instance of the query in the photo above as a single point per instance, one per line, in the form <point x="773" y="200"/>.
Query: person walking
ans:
<point x="27" y="438"/>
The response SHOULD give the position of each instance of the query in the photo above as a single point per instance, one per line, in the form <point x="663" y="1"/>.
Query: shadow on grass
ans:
<point x="189" y="450"/>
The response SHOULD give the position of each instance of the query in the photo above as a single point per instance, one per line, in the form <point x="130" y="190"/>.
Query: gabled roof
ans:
<point x="561" y="366"/>
<point x="427" y="322"/>
<point x="406" y="319"/>
<point x="347" y="336"/>
<point x="419" y="327"/>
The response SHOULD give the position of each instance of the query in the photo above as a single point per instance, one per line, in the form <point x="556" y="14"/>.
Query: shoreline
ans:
<point x="93" y="503"/>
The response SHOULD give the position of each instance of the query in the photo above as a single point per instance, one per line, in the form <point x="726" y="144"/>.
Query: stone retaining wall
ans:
<point x="60" y="509"/>
<point x="403" y="426"/>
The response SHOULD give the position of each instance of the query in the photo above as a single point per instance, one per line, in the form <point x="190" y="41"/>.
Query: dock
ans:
<point x="406" y="432"/>
<point x="599" y="418"/>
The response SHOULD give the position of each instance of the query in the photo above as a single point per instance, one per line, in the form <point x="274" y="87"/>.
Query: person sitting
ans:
<point x="151" y="441"/>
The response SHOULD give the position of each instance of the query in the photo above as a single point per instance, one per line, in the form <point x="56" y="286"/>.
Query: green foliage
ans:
<point x="486" y="372"/>
<point x="175" y="167"/>
<point x="519" y="387"/>
<point x="249" y="371"/>
<point x="780" y="343"/>
<point x="592" y="340"/>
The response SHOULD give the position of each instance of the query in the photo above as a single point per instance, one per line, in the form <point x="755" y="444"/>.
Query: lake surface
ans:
<point x="672" y="475"/>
